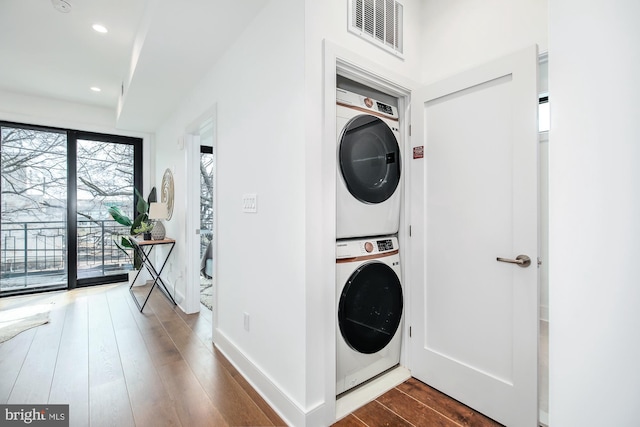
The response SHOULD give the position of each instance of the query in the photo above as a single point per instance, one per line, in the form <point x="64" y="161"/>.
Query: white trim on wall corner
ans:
<point x="192" y="223"/>
<point x="544" y="313"/>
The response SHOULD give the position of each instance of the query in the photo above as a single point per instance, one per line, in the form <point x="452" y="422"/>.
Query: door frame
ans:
<point x="338" y="60"/>
<point x="192" y="213"/>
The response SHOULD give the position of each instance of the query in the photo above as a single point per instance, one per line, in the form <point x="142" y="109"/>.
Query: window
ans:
<point x="57" y="184"/>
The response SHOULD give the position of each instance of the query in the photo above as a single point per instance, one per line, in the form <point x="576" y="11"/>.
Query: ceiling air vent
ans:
<point x="378" y="21"/>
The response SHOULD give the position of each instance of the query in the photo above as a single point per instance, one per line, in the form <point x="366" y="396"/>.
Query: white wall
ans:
<point x="458" y="35"/>
<point x="52" y="112"/>
<point x="594" y="64"/>
<point x="258" y="90"/>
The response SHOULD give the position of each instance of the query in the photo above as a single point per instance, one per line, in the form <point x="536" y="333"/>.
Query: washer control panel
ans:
<point x="384" y="108"/>
<point x="358" y="247"/>
<point x="385" y="245"/>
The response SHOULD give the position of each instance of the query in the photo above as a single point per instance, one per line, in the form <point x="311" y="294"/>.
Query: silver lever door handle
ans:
<point x="521" y="260"/>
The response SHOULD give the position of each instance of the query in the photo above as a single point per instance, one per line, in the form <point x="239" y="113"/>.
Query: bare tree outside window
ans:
<point x="206" y="198"/>
<point x="33" y="242"/>
<point x="206" y="228"/>
<point x="104" y="178"/>
<point x="34" y="175"/>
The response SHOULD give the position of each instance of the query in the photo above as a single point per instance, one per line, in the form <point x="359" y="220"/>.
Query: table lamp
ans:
<point x="158" y="212"/>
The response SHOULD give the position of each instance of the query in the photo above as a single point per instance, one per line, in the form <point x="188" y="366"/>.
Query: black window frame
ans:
<point x="73" y="135"/>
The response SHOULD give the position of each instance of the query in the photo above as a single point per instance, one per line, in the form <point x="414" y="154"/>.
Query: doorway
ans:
<point x="200" y="219"/>
<point x="207" y="163"/>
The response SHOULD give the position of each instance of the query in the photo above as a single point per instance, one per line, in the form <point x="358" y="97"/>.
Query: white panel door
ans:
<point x="474" y="318"/>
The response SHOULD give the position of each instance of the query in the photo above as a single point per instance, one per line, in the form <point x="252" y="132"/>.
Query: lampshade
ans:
<point x="158" y="210"/>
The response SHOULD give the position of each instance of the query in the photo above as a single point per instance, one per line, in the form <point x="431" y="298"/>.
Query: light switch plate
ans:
<point x="250" y="203"/>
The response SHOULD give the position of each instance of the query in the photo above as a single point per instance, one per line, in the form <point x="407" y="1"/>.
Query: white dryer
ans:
<point x="370" y="304"/>
<point x="368" y="187"/>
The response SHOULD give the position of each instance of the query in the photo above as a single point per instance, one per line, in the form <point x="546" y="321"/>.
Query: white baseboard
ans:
<point x="286" y="407"/>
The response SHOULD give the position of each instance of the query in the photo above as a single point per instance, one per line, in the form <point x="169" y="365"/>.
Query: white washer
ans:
<point x="370" y="303"/>
<point x="369" y="178"/>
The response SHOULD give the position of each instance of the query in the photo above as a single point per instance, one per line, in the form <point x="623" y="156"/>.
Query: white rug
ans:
<point x="17" y="320"/>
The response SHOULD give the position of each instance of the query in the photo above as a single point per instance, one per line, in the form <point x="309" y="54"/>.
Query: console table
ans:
<point x="144" y="248"/>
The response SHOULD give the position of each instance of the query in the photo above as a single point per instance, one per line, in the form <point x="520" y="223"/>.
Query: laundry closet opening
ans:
<point x="370" y="296"/>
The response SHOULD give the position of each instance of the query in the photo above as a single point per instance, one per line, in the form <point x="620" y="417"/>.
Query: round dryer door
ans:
<point x="370" y="307"/>
<point x="369" y="158"/>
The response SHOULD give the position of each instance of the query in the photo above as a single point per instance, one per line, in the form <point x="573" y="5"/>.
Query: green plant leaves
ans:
<point x="142" y="206"/>
<point x="119" y="216"/>
<point x="138" y="225"/>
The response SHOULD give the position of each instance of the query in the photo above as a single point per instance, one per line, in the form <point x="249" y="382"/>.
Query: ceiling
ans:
<point x="155" y="51"/>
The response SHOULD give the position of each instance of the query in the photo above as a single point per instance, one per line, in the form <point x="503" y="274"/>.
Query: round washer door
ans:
<point x="369" y="158"/>
<point x="370" y="307"/>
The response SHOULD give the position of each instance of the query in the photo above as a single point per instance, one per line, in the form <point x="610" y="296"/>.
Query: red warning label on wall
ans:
<point x="418" y="152"/>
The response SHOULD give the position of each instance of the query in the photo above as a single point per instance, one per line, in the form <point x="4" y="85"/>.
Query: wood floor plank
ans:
<point x="253" y="394"/>
<point x="414" y="411"/>
<point x="349" y="421"/>
<point x="199" y="322"/>
<point x="108" y="396"/>
<point x="158" y="342"/>
<point x="444" y="404"/>
<point x="12" y="355"/>
<point x="374" y="415"/>
<point x="234" y="404"/>
<point x="193" y="404"/>
<point x="70" y="383"/>
<point x="150" y="402"/>
<point x="34" y="380"/>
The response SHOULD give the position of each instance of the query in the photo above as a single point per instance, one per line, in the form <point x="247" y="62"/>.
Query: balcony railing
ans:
<point x="34" y="254"/>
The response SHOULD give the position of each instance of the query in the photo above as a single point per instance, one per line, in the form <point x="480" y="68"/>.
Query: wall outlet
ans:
<point x="250" y="203"/>
<point x="246" y="321"/>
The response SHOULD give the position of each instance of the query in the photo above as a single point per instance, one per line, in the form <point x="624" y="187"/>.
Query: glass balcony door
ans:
<point x="34" y="209"/>
<point x="105" y="176"/>
<point x="57" y="185"/>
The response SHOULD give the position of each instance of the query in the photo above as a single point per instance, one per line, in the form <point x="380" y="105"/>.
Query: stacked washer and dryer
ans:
<point x="369" y="289"/>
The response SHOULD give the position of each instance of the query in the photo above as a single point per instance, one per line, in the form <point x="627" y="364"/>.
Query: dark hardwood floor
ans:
<point x="414" y="403"/>
<point x="118" y="367"/>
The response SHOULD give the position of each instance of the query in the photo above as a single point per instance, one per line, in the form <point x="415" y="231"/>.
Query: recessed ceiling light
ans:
<point x="96" y="89"/>
<point x="99" y="28"/>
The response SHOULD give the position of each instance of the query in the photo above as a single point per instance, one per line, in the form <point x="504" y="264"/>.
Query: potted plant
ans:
<point x="139" y="225"/>
<point x="144" y="228"/>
